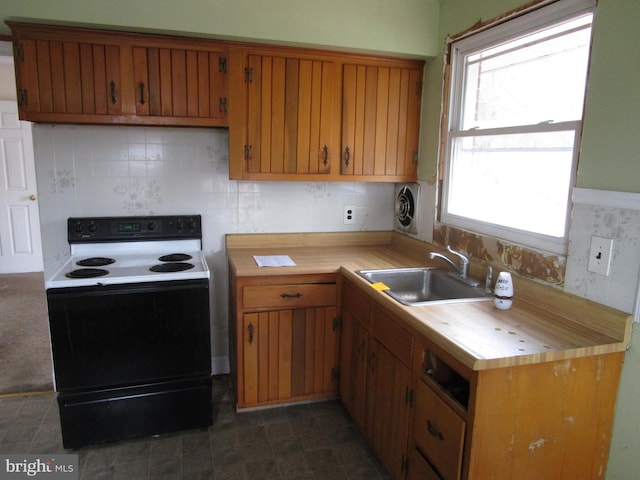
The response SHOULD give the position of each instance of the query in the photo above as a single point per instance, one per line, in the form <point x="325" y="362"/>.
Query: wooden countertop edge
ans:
<point x="388" y="249"/>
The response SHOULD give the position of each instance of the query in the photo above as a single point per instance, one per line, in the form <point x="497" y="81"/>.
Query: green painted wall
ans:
<point x="609" y="156"/>
<point x="399" y="26"/>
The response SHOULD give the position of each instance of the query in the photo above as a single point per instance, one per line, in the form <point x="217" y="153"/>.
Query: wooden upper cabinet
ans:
<point x="380" y="121"/>
<point x="67" y="77"/>
<point x="293" y="117"/>
<point x="172" y="82"/>
<point x="326" y="116"/>
<point x="71" y="75"/>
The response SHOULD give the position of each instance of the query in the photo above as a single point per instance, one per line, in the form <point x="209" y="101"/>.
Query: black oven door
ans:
<point x="120" y="335"/>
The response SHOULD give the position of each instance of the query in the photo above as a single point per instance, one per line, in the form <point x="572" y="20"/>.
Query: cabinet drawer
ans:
<point x="438" y="433"/>
<point x="289" y="295"/>
<point x="419" y="468"/>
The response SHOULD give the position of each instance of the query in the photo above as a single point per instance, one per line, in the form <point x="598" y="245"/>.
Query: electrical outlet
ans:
<point x="349" y="216"/>
<point x="600" y="255"/>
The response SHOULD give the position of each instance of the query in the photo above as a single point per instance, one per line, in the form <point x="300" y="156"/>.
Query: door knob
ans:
<point x="32" y="197"/>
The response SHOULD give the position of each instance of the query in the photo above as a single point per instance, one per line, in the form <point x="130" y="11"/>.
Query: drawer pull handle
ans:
<point x="288" y="295"/>
<point x="434" y="431"/>
<point x="250" y="330"/>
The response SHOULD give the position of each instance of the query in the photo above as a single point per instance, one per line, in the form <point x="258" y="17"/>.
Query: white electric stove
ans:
<point x="119" y="250"/>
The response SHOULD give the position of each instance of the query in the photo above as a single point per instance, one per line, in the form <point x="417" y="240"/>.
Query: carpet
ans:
<point x="25" y="351"/>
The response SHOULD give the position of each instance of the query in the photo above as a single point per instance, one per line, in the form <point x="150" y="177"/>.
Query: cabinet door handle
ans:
<point x="326" y="155"/>
<point x="289" y="295"/>
<point x="112" y="91"/>
<point x="141" y="93"/>
<point x="347" y="156"/>
<point x="23" y="98"/>
<point x="361" y="349"/>
<point x="372" y="362"/>
<point x="431" y="428"/>
<point x="250" y="331"/>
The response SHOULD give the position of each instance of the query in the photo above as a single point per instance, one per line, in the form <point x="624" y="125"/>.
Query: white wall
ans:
<point x="109" y="171"/>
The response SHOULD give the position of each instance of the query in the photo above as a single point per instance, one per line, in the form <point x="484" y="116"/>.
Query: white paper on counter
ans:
<point x="274" y="261"/>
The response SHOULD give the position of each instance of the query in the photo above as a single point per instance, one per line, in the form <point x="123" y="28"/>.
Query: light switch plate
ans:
<point x="600" y="255"/>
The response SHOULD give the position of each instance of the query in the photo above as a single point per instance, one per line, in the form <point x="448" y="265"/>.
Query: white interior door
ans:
<point x="20" y="243"/>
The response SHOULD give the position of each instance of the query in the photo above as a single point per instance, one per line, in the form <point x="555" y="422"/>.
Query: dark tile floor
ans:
<point x="309" y="441"/>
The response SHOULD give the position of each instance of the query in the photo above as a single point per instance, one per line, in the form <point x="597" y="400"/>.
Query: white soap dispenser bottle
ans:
<point x="503" y="293"/>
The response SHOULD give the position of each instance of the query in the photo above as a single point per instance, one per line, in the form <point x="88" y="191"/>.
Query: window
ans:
<point x="515" y="113"/>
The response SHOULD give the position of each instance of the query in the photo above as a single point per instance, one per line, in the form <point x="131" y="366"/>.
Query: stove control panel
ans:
<point x="119" y="229"/>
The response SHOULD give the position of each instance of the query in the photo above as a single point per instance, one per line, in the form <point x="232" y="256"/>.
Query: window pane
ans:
<point x="536" y="78"/>
<point x="519" y="181"/>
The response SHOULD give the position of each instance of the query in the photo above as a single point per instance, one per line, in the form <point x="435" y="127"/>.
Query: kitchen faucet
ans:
<point x="462" y="270"/>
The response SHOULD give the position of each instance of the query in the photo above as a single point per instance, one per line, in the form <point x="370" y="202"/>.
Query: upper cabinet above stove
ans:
<point x="292" y="113"/>
<point x="70" y="75"/>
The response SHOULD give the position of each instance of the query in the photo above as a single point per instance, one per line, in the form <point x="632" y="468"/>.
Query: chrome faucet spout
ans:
<point x="464" y="262"/>
<point x="463" y="269"/>
<point x="433" y="255"/>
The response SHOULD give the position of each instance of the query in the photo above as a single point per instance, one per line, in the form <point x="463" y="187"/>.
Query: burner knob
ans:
<point x="192" y="224"/>
<point x="92" y="227"/>
<point x="179" y="225"/>
<point x="151" y="226"/>
<point x="78" y="228"/>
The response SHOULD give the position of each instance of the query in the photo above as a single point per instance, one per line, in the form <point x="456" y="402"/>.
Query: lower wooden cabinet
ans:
<point x="427" y="416"/>
<point x="387" y="408"/>
<point x="375" y="382"/>
<point x="353" y="367"/>
<point x="288" y="355"/>
<point x="284" y="339"/>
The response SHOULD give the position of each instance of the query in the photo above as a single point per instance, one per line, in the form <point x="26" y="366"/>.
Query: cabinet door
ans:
<point x="387" y="407"/>
<point x="380" y="121"/>
<point x="353" y="367"/>
<point x="175" y="82"/>
<point x="288" y="355"/>
<point x="65" y="77"/>
<point x="293" y="116"/>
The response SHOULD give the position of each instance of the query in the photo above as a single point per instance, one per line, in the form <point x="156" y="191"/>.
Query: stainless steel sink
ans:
<point x="424" y="286"/>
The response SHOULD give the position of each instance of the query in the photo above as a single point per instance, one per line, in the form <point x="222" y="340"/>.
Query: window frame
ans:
<point x="482" y="38"/>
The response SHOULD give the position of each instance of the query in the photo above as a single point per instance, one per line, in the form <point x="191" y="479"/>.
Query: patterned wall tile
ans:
<point x="104" y="170"/>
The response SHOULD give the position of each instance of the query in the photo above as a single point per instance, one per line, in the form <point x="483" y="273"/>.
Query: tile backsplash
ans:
<point x="115" y="170"/>
<point x="607" y="214"/>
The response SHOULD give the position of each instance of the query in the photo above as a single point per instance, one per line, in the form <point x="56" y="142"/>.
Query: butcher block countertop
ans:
<point x="544" y="323"/>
